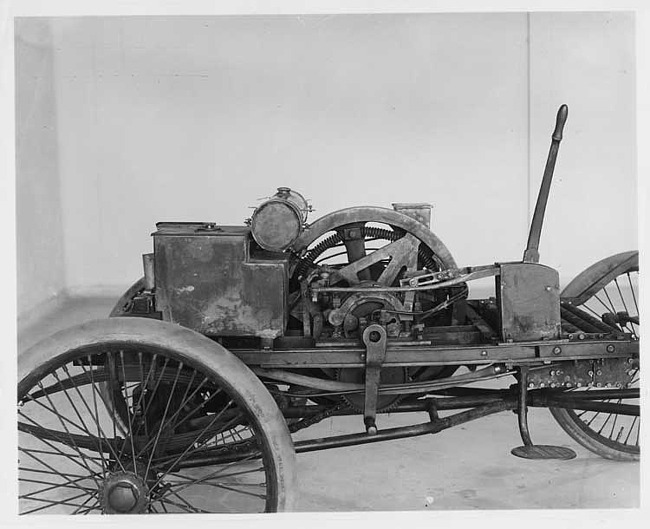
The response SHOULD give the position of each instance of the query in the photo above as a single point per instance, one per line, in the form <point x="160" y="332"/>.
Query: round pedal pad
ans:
<point x="543" y="452"/>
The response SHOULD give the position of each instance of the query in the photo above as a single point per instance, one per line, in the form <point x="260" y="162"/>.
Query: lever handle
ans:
<point x="531" y="254"/>
<point x="562" y="114"/>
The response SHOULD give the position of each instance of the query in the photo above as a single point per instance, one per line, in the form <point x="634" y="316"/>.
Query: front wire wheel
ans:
<point x="608" y="290"/>
<point x="197" y="432"/>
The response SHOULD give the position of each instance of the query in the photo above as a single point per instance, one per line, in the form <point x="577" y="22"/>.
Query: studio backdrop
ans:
<point x="125" y="121"/>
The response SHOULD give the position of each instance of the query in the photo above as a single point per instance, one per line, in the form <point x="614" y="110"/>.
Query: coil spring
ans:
<point x="424" y="253"/>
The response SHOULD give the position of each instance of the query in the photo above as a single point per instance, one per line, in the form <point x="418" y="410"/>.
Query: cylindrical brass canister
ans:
<point x="279" y="220"/>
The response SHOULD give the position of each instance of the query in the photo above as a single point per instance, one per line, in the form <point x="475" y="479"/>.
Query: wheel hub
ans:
<point x="124" y="493"/>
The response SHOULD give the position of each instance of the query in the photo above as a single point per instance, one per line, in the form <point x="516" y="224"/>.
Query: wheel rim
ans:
<point x="184" y="443"/>
<point x="615" y="302"/>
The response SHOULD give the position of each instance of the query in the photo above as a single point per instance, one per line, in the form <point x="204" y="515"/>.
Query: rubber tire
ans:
<point x="575" y="430"/>
<point x="193" y="349"/>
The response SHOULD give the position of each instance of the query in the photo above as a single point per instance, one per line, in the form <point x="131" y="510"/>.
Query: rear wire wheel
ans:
<point x="197" y="431"/>
<point x="608" y="290"/>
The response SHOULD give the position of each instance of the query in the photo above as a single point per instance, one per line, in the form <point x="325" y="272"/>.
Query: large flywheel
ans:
<point x="364" y="250"/>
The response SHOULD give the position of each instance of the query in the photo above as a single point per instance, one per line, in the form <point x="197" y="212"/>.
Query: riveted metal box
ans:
<point x="208" y="279"/>
<point x="529" y="297"/>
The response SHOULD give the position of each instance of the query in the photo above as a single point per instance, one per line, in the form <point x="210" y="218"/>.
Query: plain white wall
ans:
<point x="588" y="61"/>
<point x="39" y="229"/>
<point x="194" y="118"/>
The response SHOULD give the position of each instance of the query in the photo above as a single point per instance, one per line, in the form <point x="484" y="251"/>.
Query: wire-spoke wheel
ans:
<point x="189" y="429"/>
<point x="608" y="290"/>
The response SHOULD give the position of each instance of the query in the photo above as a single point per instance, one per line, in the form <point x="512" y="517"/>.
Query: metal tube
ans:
<point x="405" y="431"/>
<point x="148" y="265"/>
<point x="389" y="389"/>
<point x="422" y="405"/>
<point x="339" y="441"/>
<point x="522" y="408"/>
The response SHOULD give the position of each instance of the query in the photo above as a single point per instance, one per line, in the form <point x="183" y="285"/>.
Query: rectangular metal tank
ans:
<point x="207" y="280"/>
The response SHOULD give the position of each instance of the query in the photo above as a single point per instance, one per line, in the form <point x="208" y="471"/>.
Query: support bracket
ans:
<point x="374" y="338"/>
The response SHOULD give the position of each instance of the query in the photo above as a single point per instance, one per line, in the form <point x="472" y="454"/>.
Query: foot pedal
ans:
<point x="543" y="452"/>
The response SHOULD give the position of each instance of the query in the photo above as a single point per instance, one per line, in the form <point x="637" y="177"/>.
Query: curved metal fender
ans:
<point x="118" y="308"/>
<point x="599" y="274"/>
<point x="374" y="214"/>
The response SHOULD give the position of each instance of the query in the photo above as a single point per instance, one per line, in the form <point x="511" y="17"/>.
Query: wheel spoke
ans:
<point x="189" y="450"/>
<point x="633" y="295"/>
<point x="169" y="399"/>
<point x="180" y="506"/>
<point x="621" y="296"/>
<point x="71" y="457"/>
<point x="53" y="503"/>
<point x="87" y="509"/>
<point x="611" y="303"/>
<point x="627" y="438"/>
<point x="96" y="392"/>
<point x="608" y="309"/>
<point x="128" y="412"/>
<point x="95" y="417"/>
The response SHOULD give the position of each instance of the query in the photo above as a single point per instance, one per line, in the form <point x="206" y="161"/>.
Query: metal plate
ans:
<point x="543" y="452"/>
<point x="529" y="296"/>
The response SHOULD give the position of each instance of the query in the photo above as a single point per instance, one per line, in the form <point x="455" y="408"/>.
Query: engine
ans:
<point x="265" y="281"/>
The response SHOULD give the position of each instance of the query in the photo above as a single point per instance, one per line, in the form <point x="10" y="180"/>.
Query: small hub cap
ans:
<point x="124" y="493"/>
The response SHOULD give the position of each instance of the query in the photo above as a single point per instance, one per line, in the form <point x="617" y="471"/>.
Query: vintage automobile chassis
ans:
<point x="238" y="337"/>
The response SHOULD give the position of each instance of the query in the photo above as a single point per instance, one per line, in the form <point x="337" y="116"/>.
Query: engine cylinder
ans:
<point x="279" y="221"/>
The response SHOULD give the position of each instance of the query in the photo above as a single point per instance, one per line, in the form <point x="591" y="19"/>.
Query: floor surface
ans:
<point x="468" y="467"/>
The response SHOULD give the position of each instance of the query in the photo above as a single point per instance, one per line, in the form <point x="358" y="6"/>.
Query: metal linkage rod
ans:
<point x="403" y="432"/>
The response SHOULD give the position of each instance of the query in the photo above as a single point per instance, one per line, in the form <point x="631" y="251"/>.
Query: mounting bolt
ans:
<point x="590" y="373"/>
<point x="610" y="348"/>
<point x="531" y="384"/>
<point x="484" y="353"/>
<point x="581" y="336"/>
<point x="599" y="372"/>
<point x="557" y="350"/>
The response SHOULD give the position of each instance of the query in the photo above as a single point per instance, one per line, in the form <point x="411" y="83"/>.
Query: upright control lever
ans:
<point x="531" y="254"/>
